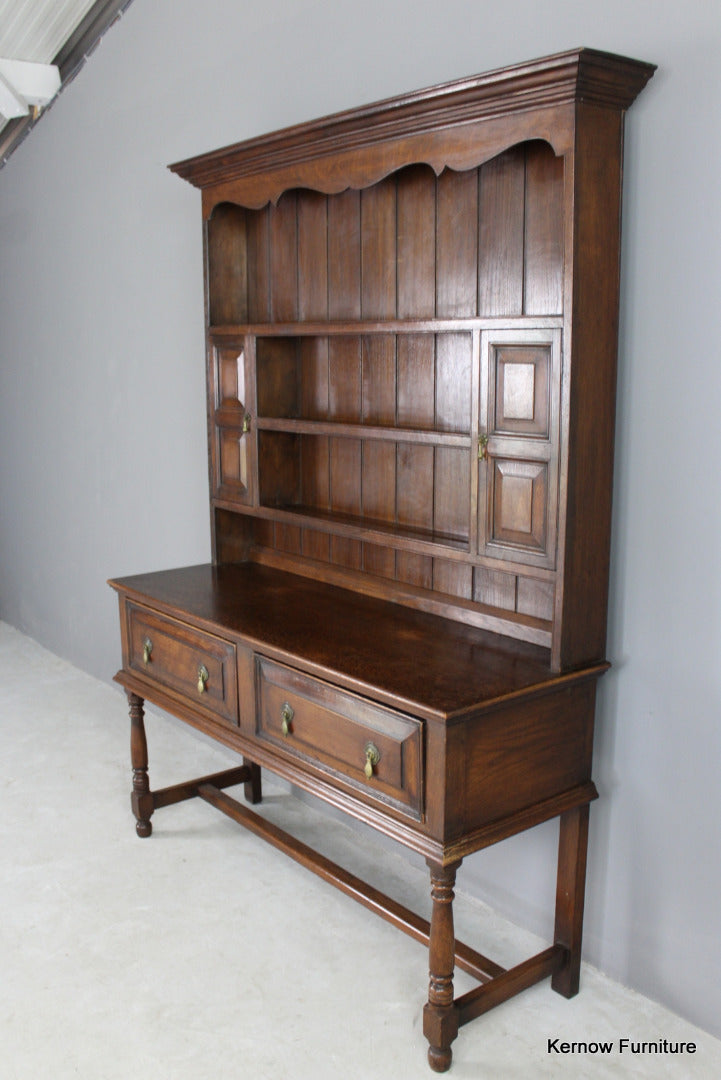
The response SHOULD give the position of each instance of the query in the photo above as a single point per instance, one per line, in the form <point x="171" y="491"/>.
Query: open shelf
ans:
<point x="403" y="488"/>
<point x="417" y="381"/>
<point x="367" y="529"/>
<point x="364" y="431"/>
<point x="346" y="327"/>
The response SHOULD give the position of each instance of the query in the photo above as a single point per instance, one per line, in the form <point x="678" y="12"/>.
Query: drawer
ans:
<point x="342" y="733"/>
<point x="197" y="665"/>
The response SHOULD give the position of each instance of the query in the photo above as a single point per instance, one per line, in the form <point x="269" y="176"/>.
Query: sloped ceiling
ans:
<point x="61" y="32"/>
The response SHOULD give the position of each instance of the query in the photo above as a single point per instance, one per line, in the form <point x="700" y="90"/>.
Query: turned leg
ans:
<point x="141" y="798"/>
<point x="570" y="889"/>
<point x="440" y="1018"/>
<point x="253" y="789"/>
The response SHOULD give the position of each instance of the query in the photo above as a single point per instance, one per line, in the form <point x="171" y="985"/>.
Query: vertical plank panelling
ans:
<point x="345" y="552"/>
<point x="227" y="265"/>
<point x="283" y="224"/>
<point x="344" y="379"/>
<point x="543" y="289"/>
<point x="501" y="229"/>
<point x="313" y="360"/>
<point x="288" y="538"/>
<point x="315" y="471"/>
<point x="312" y="255"/>
<point x="344" y="302"/>
<point x="495" y="588"/>
<point x="316" y="545"/>
<point x="416" y="380"/>
<point x="414" y="498"/>
<point x="379" y="481"/>
<point x="277" y="377"/>
<point x="345" y="497"/>
<point x="345" y="476"/>
<point x="313" y="367"/>
<point x="416" y="243"/>
<point x="263" y="531"/>
<point x="456" y="244"/>
<point x="535" y="598"/>
<point x="279" y="475"/>
<point x="257" y="231"/>
<point x="378" y="250"/>
<point x="378" y="353"/>
<point x="453" y="382"/>
<point x="344" y="261"/>
<point x="378" y="301"/>
<point x="414" y="569"/>
<point x="451" y="485"/>
<point x="379" y="561"/>
<point x="451" y="577"/>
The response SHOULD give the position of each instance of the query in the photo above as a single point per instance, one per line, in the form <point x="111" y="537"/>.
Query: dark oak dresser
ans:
<point x="412" y="314"/>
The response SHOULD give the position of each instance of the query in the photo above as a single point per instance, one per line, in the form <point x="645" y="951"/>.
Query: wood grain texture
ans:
<point x="344" y="256"/>
<point x="283" y="246"/>
<point x="441" y="665"/>
<point x="543" y="241"/>
<point x="378" y="250"/>
<point x="456" y="243"/>
<point x="416" y="249"/>
<point x="591" y="343"/>
<point x="312" y="255"/>
<point x="570" y="890"/>
<point x="258" y="241"/>
<point x="227" y="265"/>
<point x="501" y="234"/>
<point x="440" y="1019"/>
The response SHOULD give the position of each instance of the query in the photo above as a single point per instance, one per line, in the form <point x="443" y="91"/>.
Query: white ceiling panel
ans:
<point x="63" y="32"/>
<point x="37" y="29"/>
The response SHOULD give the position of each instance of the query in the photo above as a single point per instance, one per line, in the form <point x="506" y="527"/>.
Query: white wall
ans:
<point x="102" y="430"/>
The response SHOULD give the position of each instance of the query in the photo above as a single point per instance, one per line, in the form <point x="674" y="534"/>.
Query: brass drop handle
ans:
<point x="203" y="676"/>
<point x="373" y="756"/>
<point x="147" y="651"/>
<point x="286" y="718"/>
<point x="482" y="447"/>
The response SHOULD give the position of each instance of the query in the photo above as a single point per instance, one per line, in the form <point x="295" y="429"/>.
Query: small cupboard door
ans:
<point x="518" y="445"/>
<point x="232" y="438"/>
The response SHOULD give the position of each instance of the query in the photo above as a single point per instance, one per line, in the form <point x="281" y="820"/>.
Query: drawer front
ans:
<point x="342" y="733"/>
<point x="193" y="663"/>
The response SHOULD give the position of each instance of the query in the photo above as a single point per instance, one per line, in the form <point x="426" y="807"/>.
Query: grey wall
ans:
<point x="102" y="437"/>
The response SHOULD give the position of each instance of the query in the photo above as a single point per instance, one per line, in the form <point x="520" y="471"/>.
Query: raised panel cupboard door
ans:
<point x="518" y="504"/>
<point x="518" y="450"/>
<point x="231" y="389"/>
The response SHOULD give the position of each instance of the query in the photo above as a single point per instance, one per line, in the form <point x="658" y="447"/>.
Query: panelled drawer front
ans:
<point x="334" y="729"/>
<point x="183" y="659"/>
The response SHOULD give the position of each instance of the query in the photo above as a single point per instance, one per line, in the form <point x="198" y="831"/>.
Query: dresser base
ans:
<point x="443" y="1014"/>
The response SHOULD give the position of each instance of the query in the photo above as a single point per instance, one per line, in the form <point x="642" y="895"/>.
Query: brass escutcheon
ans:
<point x="286" y="718"/>
<point x="373" y="756"/>
<point x="203" y="676"/>
<point x="482" y="447"/>
<point x="147" y="651"/>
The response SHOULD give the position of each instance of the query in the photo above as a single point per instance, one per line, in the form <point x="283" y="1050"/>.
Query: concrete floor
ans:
<point x="203" y="953"/>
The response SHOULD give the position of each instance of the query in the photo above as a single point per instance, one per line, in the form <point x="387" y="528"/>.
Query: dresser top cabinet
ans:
<point x="412" y="315"/>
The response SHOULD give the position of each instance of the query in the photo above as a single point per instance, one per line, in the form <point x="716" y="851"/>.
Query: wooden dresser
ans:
<point x="412" y="315"/>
